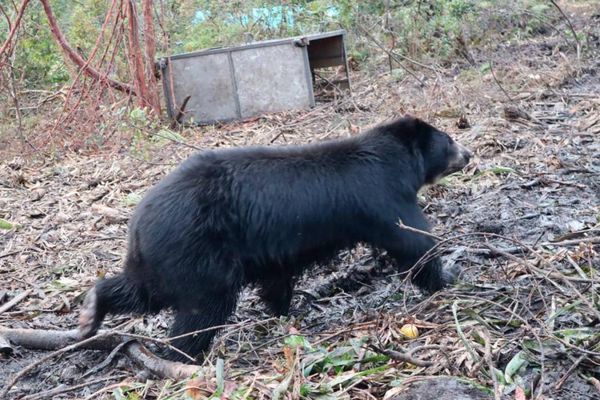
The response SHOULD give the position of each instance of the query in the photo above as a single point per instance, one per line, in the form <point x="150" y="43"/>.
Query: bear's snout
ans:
<point x="461" y="158"/>
<point x="465" y="154"/>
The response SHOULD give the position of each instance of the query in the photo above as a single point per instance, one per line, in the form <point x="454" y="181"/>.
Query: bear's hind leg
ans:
<point x="116" y="295"/>
<point x="207" y="312"/>
<point x="277" y="295"/>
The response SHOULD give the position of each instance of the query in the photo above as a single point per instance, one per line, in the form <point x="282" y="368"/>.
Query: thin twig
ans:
<point x="402" y="226"/>
<point x="498" y="83"/>
<point x="566" y="375"/>
<point x="15" y="27"/>
<point x="546" y="274"/>
<point x="401" y="357"/>
<point x="394" y="55"/>
<point x="578" y="46"/>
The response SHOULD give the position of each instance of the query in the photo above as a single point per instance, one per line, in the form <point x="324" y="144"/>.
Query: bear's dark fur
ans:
<point x="262" y="215"/>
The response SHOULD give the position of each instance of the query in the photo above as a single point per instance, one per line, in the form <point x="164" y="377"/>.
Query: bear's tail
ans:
<point x="120" y="295"/>
<point x="116" y="295"/>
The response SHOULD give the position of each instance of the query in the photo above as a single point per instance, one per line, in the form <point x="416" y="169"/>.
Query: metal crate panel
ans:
<point x="271" y="79"/>
<point x="208" y="82"/>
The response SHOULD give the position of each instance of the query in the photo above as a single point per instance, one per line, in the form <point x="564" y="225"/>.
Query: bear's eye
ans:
<point x="449" y="146"/>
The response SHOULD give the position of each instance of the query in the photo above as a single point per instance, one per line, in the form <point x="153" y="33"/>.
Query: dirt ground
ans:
<point x="522" y="221"/>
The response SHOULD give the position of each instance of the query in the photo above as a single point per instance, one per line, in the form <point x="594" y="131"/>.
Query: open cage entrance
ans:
<point x="328" y="66"/>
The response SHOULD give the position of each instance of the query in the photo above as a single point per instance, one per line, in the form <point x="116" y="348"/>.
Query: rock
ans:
<point x="440" y="388"/>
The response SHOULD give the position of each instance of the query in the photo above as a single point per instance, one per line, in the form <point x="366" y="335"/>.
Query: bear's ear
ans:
<point x="408" y="129"/>
<point x="413" y="122"/>
<point x="411" y="127"/>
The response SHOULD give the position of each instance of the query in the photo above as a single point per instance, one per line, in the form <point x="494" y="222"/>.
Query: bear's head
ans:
<point x="441" y="155"/>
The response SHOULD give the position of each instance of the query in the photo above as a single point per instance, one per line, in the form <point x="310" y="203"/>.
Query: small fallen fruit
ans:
<point x="409" y="331"/>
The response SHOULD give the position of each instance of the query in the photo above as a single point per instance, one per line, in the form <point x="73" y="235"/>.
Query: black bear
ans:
<point x="261" y="215"/>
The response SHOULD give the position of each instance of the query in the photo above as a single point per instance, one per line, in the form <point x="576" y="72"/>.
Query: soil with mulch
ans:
<point x="522" y="221"/>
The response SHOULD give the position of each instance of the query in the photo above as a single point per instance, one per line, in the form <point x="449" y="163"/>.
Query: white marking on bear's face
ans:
<point x="460" y="158"/>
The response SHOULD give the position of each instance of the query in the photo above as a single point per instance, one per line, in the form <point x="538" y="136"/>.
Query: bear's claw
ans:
<point x="450" y="274"/>
<point x="88" y="324"/>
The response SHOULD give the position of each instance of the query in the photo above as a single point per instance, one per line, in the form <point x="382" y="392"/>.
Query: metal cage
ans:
<point x="225" y="84"/>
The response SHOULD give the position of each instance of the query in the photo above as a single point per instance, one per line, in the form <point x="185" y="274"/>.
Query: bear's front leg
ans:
<point x="408" y="247"/>
<point x="277" y="294"/>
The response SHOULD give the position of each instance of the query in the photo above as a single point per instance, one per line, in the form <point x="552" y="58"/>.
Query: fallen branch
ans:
<point x="402" y="357"/>
<point x="523" y="249"/>
<point x="491" y="252"/>
<point x="64" y="341"/>
<point x="553" y="273"/>
<point x="591" y="239"/>
<point x="10" y="304"/>
<point x="52" y="393"/>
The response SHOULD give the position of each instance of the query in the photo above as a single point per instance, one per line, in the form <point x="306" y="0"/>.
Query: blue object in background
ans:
<point x="271" y="17"/>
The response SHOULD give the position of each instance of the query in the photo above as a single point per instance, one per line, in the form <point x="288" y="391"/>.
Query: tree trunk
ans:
<point x="136" y="61"/>
<point x="150" y="45"/>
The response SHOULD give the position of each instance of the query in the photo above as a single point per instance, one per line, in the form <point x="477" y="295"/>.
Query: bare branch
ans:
<point x="66" y="341"/>
<point x="578" y="46"/>
<point x="77" y="59"/>
<point x="14" y="28"/>
<point x="401" y="357"/>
